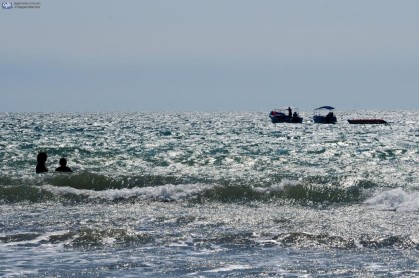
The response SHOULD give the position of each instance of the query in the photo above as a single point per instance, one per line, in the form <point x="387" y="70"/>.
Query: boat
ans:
<point x="324" y="115"/>
<point x="367" y="121"/>
<point x="285" y="115"/>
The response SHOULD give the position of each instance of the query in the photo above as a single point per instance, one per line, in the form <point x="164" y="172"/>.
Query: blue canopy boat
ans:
<point x="324" y="115"/>
<point x="285" y="115"/>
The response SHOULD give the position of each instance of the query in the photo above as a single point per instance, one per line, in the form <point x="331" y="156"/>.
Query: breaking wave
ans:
<point x="83" y="187"/>
<point x="396" y="199"/>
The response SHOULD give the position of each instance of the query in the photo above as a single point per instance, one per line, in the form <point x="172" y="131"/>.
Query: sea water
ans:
<point x="209" y="195"/>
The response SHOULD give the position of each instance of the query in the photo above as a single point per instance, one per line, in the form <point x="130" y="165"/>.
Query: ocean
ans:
<point x="209" y="194"/>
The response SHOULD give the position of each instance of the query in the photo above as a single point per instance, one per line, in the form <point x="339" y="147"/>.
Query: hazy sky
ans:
<point x="209" y="55"/>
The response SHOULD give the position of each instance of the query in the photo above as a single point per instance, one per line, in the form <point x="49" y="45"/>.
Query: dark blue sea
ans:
<point x="223" y="194"/>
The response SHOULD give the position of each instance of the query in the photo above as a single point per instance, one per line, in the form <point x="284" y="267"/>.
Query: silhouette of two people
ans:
<point x="41" y="166"/>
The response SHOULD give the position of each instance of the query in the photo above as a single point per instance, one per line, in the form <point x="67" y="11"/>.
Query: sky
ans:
<point x="209" y="55"/>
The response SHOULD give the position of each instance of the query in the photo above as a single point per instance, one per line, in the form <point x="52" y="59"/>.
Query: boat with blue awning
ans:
<point x="324" y="115"/>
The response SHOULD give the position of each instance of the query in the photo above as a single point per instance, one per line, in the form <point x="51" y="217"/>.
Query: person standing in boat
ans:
<point x="289" y="112"/>
<point x="41" y="159"/>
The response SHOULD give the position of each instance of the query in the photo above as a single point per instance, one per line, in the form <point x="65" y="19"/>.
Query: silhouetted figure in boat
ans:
<point x="289" y="112"/>
<point x="63" y="166"/>
<point x="41" y="159"/>
<point x="329" y="118"/>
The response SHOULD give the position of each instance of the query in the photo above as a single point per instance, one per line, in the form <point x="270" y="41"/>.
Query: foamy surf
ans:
<point x="396" y="199"/>
<point x="168" y="192"/>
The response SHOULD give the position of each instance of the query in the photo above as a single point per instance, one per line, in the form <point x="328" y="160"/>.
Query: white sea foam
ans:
<point x="43" y="237"/>
<point x="168" y="192"/>
<point x="396" y="199"/>
<point x="277" y="186"/>
<point x="227" y="268"/>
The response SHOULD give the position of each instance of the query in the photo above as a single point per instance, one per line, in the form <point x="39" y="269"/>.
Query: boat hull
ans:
<point x="324" y="119"/>
<point x="367" y="121"/>
<point x="286" y="119"/>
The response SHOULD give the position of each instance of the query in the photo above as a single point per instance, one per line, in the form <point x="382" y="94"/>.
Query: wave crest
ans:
<point x="87" y="187"/>
<point x="396" y="199"/>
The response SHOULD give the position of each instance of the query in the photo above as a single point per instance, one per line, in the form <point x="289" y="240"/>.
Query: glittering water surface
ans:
<point x="209" y="195"/>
